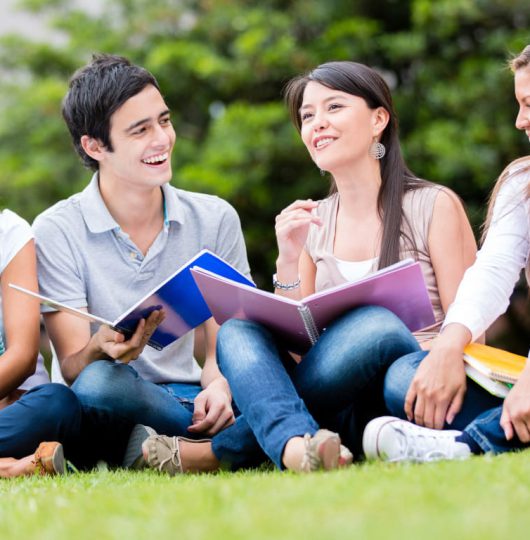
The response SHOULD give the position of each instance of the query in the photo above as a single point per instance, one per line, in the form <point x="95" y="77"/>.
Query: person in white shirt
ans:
<point x="30" y="412"/>
<point x="431" y="389"/>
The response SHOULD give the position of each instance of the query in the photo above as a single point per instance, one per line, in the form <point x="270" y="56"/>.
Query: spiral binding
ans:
<point x="309" y="324"/>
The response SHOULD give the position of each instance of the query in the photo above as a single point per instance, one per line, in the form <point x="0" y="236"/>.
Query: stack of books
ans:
<point x="493" y="369"/>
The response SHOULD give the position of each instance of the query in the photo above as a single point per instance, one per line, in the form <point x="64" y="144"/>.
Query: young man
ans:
<point x="109" y="245"/>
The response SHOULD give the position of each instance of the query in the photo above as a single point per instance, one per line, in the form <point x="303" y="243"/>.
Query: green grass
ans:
<point x="482" y="498"/>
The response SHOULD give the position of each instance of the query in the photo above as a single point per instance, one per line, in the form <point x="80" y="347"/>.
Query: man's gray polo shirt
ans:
<point x="85" y="260"/>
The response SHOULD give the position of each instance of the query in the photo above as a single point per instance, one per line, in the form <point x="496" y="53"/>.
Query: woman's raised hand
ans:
<point x="292" y="227"/>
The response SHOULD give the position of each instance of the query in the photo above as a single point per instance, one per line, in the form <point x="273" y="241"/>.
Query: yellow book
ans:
<point x="496" y="364"/>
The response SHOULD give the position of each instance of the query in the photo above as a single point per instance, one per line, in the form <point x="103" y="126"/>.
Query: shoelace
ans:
<point x="426" y="445"/>
<point x="310" y="459"/>
<point x="174" y="457"/>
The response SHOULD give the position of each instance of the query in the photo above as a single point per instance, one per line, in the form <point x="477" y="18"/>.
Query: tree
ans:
<point x="222" y="66"/>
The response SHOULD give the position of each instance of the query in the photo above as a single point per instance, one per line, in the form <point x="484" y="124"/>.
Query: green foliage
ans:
<point x="480" y="499"/>
<point x="222" y="66"/>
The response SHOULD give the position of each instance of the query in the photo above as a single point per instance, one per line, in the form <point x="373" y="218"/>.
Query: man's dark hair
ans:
<point x="96" y="92"/>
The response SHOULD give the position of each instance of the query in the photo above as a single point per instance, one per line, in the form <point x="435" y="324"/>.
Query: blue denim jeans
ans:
<point x="479" y="416"/>
<point x="113" y="395"/>
<point x="49" y="412"/>
<point x="337" y="385"/>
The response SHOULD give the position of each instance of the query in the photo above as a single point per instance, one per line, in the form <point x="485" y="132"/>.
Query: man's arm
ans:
<point x="213" y="406"/>
<point x="76" y="348"/>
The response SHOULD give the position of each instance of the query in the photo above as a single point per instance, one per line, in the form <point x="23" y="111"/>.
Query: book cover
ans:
<point x="496" y="388"/>
<point x="399" y="288"/>
<point x="177" y="295"/>
<point x="494" y="363"/>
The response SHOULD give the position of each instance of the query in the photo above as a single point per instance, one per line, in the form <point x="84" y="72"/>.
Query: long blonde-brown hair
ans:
<point x="520" y="61"/>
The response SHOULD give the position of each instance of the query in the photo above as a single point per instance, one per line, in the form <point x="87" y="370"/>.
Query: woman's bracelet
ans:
<point x="285" y="286"/>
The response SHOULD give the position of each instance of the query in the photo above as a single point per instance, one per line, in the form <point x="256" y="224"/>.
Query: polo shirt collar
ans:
<point x="95" y="213"/>
<point x="98" y="218"/>
<point x="174" y="206"/>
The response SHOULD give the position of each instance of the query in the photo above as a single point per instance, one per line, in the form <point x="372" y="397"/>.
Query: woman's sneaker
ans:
<point x="391" y="439"/>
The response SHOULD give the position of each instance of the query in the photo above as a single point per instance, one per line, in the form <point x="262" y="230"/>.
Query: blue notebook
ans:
<point x="178" y="296"/>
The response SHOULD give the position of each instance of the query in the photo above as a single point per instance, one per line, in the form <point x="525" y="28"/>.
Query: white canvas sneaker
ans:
<point x="391" y="439"/>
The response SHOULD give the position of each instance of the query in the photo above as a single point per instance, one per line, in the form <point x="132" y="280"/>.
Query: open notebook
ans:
<point x="399" y="288"/>
<point x="177" y="295"/>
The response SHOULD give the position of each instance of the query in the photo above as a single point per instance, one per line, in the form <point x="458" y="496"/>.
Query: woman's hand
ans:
<point x="292" y="227"/>
<point x="515" y="418"/>
<point x="437" y="391"/>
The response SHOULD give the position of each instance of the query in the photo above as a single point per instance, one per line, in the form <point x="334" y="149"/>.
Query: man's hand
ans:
<point x="213" y="408"/>
<point x="515" y="418"/>
<point x="114" y="344"/>
<point x="437" y="391"/>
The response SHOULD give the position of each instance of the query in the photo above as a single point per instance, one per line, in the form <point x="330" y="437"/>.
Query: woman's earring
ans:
<point x="322" y="173"/>
<point x="377" y="149"/>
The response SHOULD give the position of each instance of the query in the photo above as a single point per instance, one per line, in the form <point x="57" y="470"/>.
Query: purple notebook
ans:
<point x="399" y="288"/>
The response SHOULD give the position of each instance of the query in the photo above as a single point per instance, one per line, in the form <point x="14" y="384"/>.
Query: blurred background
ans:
<point x="222" y="65"/>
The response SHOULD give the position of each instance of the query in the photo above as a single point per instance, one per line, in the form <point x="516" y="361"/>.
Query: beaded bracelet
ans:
<point x="285" y="286"/>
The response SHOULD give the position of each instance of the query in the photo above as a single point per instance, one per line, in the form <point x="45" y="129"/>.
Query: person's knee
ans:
<point x="233" y="329"/>
<point x="100" y="381"/>
<point x="61" y="403"/>
<point x="370" y="321"/>
<point x="397" y="382"/>
<point x="388" y="328"/>
<point x="234" y="339"/>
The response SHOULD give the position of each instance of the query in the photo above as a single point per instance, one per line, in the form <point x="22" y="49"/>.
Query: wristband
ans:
<point x="285" y="286"/>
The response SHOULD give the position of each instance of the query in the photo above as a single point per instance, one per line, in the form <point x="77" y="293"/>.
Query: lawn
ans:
<point x="482" y="498"/>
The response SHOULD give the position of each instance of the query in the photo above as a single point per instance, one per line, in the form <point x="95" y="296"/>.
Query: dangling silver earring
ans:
<point x="322" y="173"/>
<point x="377" y="150"/>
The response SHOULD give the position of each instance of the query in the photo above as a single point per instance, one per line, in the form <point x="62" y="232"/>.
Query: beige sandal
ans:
<point x="163" y="453"/>
<point x="345" y="456"/>
<point x="322" y="451"/>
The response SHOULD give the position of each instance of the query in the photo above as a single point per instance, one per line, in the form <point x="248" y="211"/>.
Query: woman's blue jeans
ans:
<point x="49" y="412"/>
<point x="480" y="414"/>
<point x="338" y="385"/>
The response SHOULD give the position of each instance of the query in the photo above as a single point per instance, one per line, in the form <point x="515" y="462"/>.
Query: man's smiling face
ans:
<point x="142" y="138"/>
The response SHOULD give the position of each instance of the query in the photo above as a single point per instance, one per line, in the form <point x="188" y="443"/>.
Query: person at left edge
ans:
<point x="115" y="241"/>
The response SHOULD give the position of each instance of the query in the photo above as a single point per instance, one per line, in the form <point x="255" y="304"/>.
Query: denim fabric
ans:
<point x="479" y="416"/>
<point x="114" y="396"/>
<point x="487" y="432"/>
<point x="49" y="412"/>
<point x="337" y="385"/>
<point x="400" y="375"/>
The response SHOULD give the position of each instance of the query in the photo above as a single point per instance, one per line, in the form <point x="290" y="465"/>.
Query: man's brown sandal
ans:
<point x="49" y="459"/>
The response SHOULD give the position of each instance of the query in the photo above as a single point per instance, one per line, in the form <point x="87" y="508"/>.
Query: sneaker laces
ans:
<point x="321" y="451"/>
<point x="310" y="459"/>
<point x="174" y="456"/>
<point x="424" y="444"/>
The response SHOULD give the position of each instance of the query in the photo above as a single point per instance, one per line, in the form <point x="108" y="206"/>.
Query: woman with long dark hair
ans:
<point x="378" y="212"/>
